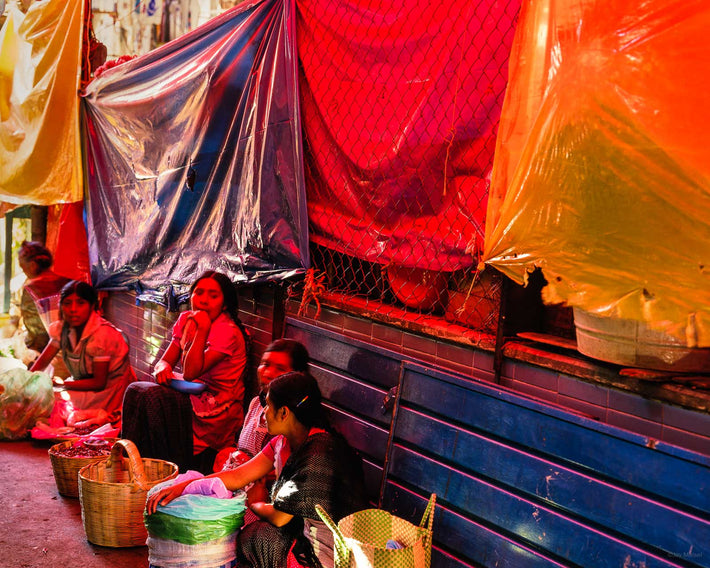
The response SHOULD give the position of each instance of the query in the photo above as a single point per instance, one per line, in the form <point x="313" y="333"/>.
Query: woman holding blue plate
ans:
<point x="188" y="417"/>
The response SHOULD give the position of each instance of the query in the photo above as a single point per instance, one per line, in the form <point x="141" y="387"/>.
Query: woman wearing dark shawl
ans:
<point x="314" y="466"/>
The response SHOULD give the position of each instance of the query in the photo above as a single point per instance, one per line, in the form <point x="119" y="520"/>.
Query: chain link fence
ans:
<point x="400" y="106"/>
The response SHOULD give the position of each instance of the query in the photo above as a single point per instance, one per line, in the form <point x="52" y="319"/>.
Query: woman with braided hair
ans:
<point x="314" y="465"/>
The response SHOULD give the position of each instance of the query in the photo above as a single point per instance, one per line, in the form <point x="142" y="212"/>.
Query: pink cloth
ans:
<point x="278" y="451"/>
<point x="209" y="486"/>
<point x="201" y="485"/>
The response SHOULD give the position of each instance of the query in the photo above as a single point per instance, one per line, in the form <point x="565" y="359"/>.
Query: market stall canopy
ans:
<point x="602" y="167"/>
<point x="194" y="157"/>
<point x="40" y="149"/>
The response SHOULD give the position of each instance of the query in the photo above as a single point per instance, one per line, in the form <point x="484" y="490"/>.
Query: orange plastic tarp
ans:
<point x="40" y="153"/>
<point x="602" y="168"/>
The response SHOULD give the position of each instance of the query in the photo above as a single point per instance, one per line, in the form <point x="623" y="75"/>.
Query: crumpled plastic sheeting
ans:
<point x="24" y="397"/>
<point x="602" y="169"/>
<point x="66" y="237"/>
<point x="40" y="148"/>
<point x="197" y="517"/>
<point x="194" y="157"/>
<point x="400" y="104"/>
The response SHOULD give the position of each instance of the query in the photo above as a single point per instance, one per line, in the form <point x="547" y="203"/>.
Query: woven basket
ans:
<point x="66" y="469"/>
<point x="113" y="494"/>
<point x="361" y="540"/>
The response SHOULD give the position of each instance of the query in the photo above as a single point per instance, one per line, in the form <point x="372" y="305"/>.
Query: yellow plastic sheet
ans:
<point x="40" y="153"/>
<point x="602" y="169"/>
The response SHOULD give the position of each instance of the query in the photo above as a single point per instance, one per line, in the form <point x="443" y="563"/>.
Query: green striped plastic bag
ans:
<point x="361" y="539"/>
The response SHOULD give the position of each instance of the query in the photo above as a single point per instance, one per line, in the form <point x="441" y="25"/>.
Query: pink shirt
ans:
<point x="100" y="341"/>
<point x="218" y="413"/>
<point x="278" y="450"/>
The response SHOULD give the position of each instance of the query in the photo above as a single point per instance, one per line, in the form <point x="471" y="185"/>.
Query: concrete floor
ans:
<point x="39" y="527"/>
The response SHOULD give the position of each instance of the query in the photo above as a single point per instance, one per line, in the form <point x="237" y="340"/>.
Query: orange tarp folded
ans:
<point x="602" y="168"/>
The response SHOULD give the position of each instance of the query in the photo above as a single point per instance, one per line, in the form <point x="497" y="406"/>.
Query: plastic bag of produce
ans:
<point x="24" y="397"/>
<point x="194" y="519"/>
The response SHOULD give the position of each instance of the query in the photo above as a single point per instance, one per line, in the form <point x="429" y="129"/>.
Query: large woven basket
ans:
<point x="113" y="494"/>
<point x="66" y="469"/>
<point x="363" y="539"/>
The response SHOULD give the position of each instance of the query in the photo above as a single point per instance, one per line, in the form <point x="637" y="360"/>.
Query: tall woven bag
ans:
<point x="360" y="539"/>
<point x="113" y="493"/>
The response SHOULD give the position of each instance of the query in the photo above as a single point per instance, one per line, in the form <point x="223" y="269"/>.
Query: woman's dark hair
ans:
<point x="229" y="292"/>
<point x="299" y="392"/>
<point x="296" y="351"/>
<point x="83" y="290"/>
<point x="32" y="251"/>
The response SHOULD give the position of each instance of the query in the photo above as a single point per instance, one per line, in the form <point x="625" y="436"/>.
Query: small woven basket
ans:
<point x="66" y="469"/>
<point x="113" y="493"/>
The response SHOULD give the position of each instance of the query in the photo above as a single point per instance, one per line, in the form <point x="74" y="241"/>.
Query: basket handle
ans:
<point x="337" y="535"/>
<point x="136" y="471"/>
<point x="428" y="517"/>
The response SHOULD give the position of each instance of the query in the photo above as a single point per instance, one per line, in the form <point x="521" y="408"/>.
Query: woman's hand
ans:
<point x="164" y="496"/>
<point x="163" y="372"/>
<point x="267" y="512"/>
<point x="197" y="357"/>
<point x="202" y="320"/>
<point x="96" y="382"/>
<point x="88" y="417"/>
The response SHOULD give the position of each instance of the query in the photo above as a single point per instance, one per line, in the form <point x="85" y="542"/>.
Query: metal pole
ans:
<point x="8" y="260"/>
<point x="390" y="438"/>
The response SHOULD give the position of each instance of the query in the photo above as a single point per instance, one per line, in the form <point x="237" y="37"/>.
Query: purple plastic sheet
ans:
<point x="194" y="157"/>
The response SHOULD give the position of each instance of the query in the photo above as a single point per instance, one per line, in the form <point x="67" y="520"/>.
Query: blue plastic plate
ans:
<point x="188" y="387"/>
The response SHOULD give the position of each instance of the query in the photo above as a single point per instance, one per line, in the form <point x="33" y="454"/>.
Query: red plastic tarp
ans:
<point x="400" y="104"/>
<point x="194" y="157"/>
<point x="66" y="237"/>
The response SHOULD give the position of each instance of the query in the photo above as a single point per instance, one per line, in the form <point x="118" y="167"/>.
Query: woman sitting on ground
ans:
<point x="42" y="282"/>
<point x="281" y="356"/>
<point x="209" y="343"/>
<point x="96" y="355"/>
<point x="314" y="466"/>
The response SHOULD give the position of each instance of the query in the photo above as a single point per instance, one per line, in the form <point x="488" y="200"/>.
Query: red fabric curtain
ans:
<point x="66" y="238"/>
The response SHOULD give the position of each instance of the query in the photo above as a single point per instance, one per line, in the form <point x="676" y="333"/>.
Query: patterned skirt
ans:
<point x="158" y="420"/>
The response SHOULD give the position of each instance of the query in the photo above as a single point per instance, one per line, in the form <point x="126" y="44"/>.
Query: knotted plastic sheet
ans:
<point x="194" y="157"/>
<point x="602" y="167"/>
<point x="40" y="149"/>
